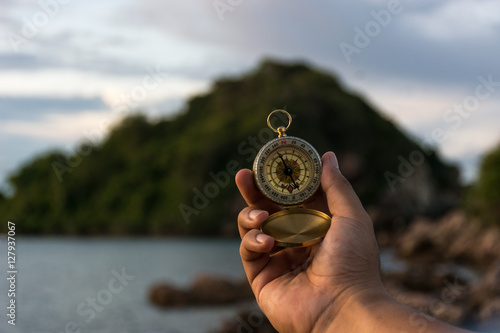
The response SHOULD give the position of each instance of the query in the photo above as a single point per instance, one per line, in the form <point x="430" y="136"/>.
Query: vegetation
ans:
<point x="175" y="176"/>
<point x="483" y="199"/>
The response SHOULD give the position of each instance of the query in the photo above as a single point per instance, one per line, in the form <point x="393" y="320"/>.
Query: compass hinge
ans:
<point x="281" y="132"/>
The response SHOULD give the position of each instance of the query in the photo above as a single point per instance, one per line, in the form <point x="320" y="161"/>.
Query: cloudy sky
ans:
<point x="70" y="68"/>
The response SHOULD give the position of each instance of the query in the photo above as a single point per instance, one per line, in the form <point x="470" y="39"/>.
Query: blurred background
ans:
<point x="122" y="124"/>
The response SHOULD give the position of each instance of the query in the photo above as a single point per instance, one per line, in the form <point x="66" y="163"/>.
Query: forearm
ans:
<point x="377" y="312"/>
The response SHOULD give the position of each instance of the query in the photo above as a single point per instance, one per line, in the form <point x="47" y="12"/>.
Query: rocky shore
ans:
<point x="205" y="290"/>
<point x="451" y="272"/>
<point x="454" y="237"/>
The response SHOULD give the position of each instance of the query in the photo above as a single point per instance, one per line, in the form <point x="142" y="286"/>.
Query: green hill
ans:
<point x="176" y="175"/>
<point x="483" y="199"/>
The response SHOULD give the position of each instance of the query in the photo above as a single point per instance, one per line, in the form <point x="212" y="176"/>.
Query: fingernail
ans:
<point x="333" y="160"/>
<point x="254" y="213"/>
<point x="261" y="238"/>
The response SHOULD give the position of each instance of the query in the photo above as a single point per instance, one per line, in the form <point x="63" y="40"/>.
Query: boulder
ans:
<point x="437" y="290"/>
<point x="205" y="290"/>
<point x="163" y="294"/>
<point x="486" y="291"/>
<point x="453" y="237"/>
<point x="215" y="290"/>
<point x="487" y="247"/>
<point x="418" y="239"/>
<point x="490" y="310"/>
<point x="456" y="236"/>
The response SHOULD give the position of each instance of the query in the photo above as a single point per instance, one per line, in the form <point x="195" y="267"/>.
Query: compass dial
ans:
<point x="287" y="170"/>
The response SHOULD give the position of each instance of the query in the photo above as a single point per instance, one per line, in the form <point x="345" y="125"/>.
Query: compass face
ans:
<point x="287" y="170"/>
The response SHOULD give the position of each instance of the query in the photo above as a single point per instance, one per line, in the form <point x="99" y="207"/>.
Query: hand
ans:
<point x="333" y="286"/>
<point x="305" y="289"/>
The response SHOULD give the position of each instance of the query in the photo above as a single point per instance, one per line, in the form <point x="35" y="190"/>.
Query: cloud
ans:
<point x="445" y="42"/>
<point x="61" y="128"/>
<point x="458" y="20"/>
<point x="40" y="56"/>
<point x="70" y="83"/>
<point x="426" y="45"/>
<point x="468" y="146"/>
<point x="429" y="41"/>
<point x="25" y="62"/>
<point x="35" y="108"/>
<point x="460" y="144"/>
<point x="251" y="29"/>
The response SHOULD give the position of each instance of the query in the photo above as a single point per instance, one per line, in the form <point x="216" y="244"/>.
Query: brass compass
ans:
<point x="287" y="170"/>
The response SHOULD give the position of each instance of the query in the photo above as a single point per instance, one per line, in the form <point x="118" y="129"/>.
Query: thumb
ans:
<point x="342" y="200"/>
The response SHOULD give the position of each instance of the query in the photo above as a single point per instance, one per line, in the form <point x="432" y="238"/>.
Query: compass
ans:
<point x="287" y="170"/>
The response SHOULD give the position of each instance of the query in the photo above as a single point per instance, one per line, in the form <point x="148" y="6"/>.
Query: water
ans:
<point x="56" y="276"/>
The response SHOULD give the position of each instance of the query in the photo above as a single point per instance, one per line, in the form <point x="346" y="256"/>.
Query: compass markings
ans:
<point x="288" y="168"/>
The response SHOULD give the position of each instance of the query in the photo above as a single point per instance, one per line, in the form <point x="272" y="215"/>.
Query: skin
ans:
<point x="333" y="286"/>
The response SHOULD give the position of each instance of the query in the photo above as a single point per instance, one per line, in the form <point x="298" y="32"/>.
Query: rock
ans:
<point x="215" y="290"/>
<point x="490" y="310"/>
<point x="205" y="290"/>
<point x="416" y="194"/>
<point x="449" y="312"/>
<point x="487" y="247"/>
<point x="166" y="295"/>
<point x="437" y="290"/>
<point x="487" y="288"/>
<point x="453" y="237"/>
<point x="418" y="239"/>
<point x="437" y="285"/>
<point x="456" y="236"/>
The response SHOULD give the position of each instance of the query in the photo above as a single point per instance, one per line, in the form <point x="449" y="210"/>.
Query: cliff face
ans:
<point x="176" y="175"/>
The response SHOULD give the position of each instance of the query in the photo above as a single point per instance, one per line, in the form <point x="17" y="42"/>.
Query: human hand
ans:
<point x="308" y="289"/>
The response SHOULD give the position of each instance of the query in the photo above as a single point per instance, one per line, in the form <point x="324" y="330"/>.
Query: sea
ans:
<point x="101" y="285"/>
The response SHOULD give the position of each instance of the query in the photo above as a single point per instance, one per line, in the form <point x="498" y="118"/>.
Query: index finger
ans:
<point x="254" y="199"/>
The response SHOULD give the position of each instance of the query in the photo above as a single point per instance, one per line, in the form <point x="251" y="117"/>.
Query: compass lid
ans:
<point x="297" y="227"/>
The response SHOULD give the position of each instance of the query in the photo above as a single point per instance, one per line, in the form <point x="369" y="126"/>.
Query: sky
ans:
<point x="70" y="69"/>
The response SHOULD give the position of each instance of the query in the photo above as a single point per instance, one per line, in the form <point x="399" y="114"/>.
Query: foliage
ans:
<point x="145" y="174"/>
<point x="483" y="199"/>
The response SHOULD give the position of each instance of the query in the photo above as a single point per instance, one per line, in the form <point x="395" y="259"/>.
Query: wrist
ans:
<point x="362" y="311"/>
<point x="375" y="311"/>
